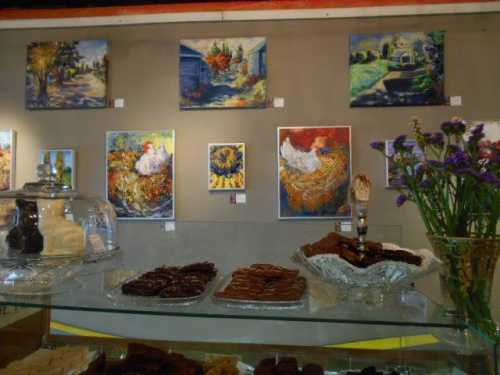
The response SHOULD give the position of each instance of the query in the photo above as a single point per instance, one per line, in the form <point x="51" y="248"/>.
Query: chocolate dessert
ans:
<point x="172" y="282"/>
<point x="264" y="282"/>
<point x="347" y="248"/>
<point x="313" y="369"/>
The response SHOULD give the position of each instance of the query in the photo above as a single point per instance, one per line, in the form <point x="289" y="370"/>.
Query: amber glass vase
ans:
<point x="467" y="277"/>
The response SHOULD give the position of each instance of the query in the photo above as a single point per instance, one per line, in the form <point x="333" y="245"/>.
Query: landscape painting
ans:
<point x="62" y="164"/>
<point x="314" y="172"/>
<point x="392" y="177"/>
<point x="140" y="173"/>
<point x="7" y="159"/>
<point x="64" y="75"/>
<point x="226" y="166"/>
<point x="397" y="69"/>
<point x="223" y="73"/>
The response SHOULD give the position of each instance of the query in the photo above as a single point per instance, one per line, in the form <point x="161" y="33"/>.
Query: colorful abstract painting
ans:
<point x="392" y="177"/>
<point x="223" y="73"/>
<point x="63" y="75"/>
<point x="140" y="173"/>
<point x="62" y="163"/>
<point x="7" y="159"/>
<point x="226" y="166"/>
<point x="397" y="69"/>
<point x="314" y="171"/>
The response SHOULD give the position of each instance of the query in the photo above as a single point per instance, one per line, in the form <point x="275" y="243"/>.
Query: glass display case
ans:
<point x="403" y="331"/>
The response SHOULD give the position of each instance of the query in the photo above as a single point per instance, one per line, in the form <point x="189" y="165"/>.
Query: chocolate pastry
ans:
<point x="312" y="369"/>
<point x="264" y="282"/>
<point x="369" y="371"/>
<point x="346" y="248"/>
<point x="287" y="366"/>
<point x="25" y="236"/>
<point x="172" y="282"/>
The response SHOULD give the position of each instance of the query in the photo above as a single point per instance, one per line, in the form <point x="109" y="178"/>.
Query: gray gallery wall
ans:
<point x="307" y="65"/>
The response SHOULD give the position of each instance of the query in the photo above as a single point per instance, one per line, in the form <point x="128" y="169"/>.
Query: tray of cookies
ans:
<point x="166" y="285"/>
<point x="263" y="286"/>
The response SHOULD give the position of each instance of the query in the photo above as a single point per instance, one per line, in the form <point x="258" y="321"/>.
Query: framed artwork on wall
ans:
<point x="314" y="172"/>
<point x="140" y="178"/>
<point x="63" y="164"/>
<point x="7" y="159"/>
<point x="392" y="177"/>
<point x="397" y="69"/>
<point x="226" y="166"/>
<point x="67" y="74"/>
<point x="223" y="73"/>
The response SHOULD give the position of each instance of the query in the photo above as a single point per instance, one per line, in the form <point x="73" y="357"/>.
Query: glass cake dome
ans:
<point x="48" y="219"/>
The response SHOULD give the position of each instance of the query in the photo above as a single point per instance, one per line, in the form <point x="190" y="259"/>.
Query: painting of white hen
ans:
<point x="314" y="171"/>
<point x="140" y="173"/>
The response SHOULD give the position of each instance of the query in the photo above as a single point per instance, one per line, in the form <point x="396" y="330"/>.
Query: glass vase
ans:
<point x="467" y="277"/>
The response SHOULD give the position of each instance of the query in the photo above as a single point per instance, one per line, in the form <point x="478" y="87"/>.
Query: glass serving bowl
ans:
<point x="47" y="219"/>
<point x="371" y="283"/>
<point x="40" y="276"/>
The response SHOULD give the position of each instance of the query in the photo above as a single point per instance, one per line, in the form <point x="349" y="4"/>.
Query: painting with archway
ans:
<point x="397" y="69"/>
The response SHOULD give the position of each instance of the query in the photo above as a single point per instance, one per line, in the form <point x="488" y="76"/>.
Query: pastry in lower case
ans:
<point x="264" y="282"/>
<point x="221" y="366"/>
<point x="286" y="366"/>
<point x="370" y="371"/>
<point x="172" y="282"/>
<point x="61" y="361"/>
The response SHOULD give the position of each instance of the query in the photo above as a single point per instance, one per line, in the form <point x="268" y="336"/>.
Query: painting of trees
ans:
<point x="68" y="74"/>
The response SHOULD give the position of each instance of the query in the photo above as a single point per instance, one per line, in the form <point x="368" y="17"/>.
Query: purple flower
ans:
<point x="489" y="178"/>
<point x="453" y="149"/>
<point x="453" y="127"/>
<point x="425" y="184"/>
<point x="436" y="164"/>
<point x="419" y="172"/>
<point x="437" y="140"/>
<point x="399" y="143"/>
<point x="458" y="160"/>
<point x="427" y="137"/>
<point x="377" y="145"/>
<point x="476" y="134"/>
<point x="401" y="199"/>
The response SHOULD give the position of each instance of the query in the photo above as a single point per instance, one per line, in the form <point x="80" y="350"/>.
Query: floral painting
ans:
<point x="71" y="74"/>
<point x="226" y="166"/>
<point x="393" y="179"/>
<point x="7" y="159"/>
<point x="314" y="170"/>
<point x="223" y="73"/>
<point x="62" y="163"/>
<point x="140" y="173"/>
<point x="397" y="69"/>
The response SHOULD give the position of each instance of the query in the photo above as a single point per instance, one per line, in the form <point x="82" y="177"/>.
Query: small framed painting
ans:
<point x="140" y="180"/>
<point x="314" y="172"/>
<point x="392" y="177"/>
<point x="62" y="163"/>
<point x="226" y="166"/>
<point x="7" y="159"/>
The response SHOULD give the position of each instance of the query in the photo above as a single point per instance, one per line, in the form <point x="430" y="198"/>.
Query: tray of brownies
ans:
<point x="338" y="260"/>
<point x="263" y="286"/>
<point x="166" y="285"/>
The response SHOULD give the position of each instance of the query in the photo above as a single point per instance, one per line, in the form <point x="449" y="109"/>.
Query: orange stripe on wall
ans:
<point x="13" y="14"/>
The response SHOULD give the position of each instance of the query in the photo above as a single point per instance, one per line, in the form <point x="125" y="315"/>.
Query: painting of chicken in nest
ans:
<point x="140" y="173"/>
<point x="314" y="169"/>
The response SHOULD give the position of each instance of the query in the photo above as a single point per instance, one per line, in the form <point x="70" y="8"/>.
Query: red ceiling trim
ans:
<point x="19" y="14"/>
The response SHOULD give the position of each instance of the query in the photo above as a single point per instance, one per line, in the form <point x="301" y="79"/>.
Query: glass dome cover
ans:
<point x="48" y="219"/>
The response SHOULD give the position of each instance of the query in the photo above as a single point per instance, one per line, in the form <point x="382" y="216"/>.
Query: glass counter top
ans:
<point x="147" y="245"/>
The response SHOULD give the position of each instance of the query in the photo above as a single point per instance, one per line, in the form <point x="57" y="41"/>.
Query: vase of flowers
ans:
<point x="456" y="187"/>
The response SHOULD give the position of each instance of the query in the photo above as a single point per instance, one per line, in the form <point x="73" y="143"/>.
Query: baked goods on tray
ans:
<point x="371" y="371"/>
<point x="264" y="282"/>
<point x="63" y="360"/>
<point x="143" y="359"/>
<point x="172" y="282"/>
<point x="346" y="248"/>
